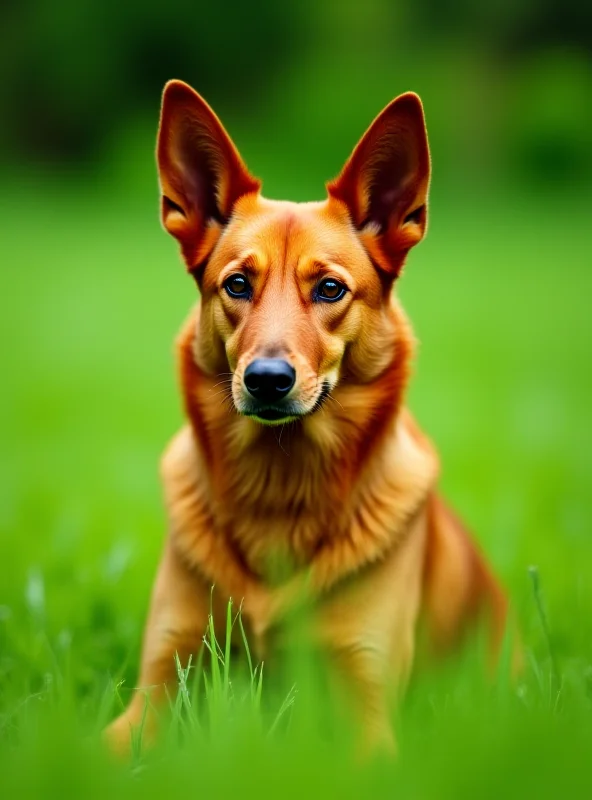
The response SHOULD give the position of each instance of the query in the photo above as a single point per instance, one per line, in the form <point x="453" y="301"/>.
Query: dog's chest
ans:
<point x="279" y="516"/>
<point x="274" y="546"/>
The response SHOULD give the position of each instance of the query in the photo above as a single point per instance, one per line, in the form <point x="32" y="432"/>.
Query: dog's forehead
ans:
<point x="286" y="232"/>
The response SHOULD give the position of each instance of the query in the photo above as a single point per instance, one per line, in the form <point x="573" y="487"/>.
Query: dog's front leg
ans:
<point x="367" y="626"/>
<point x="176" y="624"/>
<point x="359" y="678"/>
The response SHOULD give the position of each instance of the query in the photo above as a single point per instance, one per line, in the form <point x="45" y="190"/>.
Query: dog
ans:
<point x="300" y="476"/>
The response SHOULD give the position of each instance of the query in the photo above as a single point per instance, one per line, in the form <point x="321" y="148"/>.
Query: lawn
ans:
<point x="93" y="292"/>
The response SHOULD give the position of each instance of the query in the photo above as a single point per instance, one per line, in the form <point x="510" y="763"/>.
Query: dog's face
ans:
<point x="295" y="297"/>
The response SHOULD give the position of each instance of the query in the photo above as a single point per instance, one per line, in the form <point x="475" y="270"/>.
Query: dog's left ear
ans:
<point x="384" y="184"/>
<point x="201" y="172"/>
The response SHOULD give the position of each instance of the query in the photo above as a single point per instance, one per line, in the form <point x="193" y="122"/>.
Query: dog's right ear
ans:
<point x="201" y="172"/>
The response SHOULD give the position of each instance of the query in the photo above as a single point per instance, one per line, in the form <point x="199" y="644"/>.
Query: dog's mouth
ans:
<point x="280" y="414"/>
<point x="272" y="415"/>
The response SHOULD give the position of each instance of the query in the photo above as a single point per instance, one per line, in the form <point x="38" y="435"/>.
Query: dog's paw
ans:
<point x="118" y="737"/>
<point x="257" y="608"/>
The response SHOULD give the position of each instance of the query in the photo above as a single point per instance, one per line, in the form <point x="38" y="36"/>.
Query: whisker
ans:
<point x="227" y="382"/>
<point x="279" y="440"/>
<point x="228" y="404"/>
<point x="330" y="397"/>
<point x="223" y="392"/>
<point x="335" y="400"/>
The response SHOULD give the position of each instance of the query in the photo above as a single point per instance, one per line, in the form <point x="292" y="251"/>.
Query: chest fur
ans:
<point x="273" y="513"/>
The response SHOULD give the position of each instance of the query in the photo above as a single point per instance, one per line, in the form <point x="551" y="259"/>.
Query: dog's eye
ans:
<point x="238" y="286"/>
<point x="330" y="290"/>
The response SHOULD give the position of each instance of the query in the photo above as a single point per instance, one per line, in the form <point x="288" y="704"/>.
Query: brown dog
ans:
<point x="298" y="327"/>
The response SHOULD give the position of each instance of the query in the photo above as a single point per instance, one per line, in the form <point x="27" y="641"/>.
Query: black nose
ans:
<point x="269" y="379"/>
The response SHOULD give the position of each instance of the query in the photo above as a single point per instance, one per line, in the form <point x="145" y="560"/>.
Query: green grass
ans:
<point x="93" y="293"/>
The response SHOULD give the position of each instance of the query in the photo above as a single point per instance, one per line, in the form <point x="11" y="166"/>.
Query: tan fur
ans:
<point x="338" y="508"/>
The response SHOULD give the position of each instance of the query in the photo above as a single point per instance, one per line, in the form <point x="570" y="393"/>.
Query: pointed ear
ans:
<point x="384" y="184"/>
<point x="201" y="172"/>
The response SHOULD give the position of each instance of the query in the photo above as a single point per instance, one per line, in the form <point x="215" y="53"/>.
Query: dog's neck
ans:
<point x="298" y="481"/>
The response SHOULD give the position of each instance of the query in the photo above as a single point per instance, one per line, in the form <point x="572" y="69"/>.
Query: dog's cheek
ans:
<point x="334" y="343"/>
<point x="215" y="330"/>
<point x="208" y="349"/>
<point x="232" y="349"/>
<point x="333" y="349"/>
<point x="372" y="349"/>
<point x="224" y="323"/>
<point x="351" y="326"/>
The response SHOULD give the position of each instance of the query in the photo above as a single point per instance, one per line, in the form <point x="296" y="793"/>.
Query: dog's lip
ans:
<point x="273" y="413"/>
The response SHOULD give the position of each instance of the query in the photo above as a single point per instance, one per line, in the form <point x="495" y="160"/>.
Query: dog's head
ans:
<point x="296" y="298"/>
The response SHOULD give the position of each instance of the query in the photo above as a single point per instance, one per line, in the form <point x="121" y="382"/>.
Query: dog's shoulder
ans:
<point x="180" y="473"/>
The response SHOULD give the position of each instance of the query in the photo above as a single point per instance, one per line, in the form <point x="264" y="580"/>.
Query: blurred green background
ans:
<point x="93" y="293"/>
